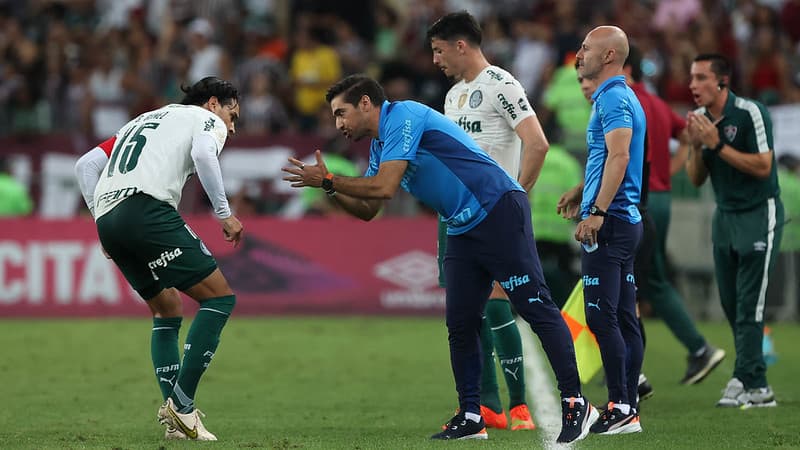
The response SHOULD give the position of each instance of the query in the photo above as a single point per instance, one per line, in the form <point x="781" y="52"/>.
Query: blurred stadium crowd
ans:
<point x="75" y="71"/>
<point x="87" y="66"/>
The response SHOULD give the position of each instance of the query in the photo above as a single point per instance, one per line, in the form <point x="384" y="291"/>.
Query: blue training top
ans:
<point x="615" y="106"/>
<point x="446" y="169"/>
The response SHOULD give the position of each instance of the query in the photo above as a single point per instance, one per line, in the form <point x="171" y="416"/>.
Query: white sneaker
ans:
<point x="730" y="396"/>
<point x="757" y="398"/>
<point x="188" y="424"/>
<point x="174" y="434"/>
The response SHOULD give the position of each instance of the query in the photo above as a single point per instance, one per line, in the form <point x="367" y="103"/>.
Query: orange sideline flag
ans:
<point x="587" y="352"/>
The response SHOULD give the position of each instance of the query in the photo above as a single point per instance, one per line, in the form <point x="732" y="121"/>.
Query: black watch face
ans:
<point x="593" y="210"/>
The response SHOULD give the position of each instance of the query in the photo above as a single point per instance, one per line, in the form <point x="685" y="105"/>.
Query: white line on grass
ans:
<point x="545" y="405"/>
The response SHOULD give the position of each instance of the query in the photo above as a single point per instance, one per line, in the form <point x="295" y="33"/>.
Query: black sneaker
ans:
<point x="576" y="419"/>
<point x="612" y="421"/>
<point x="459" y="427"/>
<point x="645" y="390"/>
<point x="700" y="366"/>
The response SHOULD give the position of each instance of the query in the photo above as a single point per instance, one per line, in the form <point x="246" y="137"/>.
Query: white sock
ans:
<point x="473" y="417"/>
<point x="578" y="400"/>
<point x="623" y="407"/>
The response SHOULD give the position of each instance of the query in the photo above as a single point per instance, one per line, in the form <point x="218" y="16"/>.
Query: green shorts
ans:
<point x="153" y="246"/>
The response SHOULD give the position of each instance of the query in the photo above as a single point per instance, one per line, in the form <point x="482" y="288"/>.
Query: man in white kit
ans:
<point x="132" y="185"/>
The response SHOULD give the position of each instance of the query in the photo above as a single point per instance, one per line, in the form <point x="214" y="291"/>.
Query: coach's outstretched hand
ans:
<point x="302" y="174"/>
<point x="232" y="229"/>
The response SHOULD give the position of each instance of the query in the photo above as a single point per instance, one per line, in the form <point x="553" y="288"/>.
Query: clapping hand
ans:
<point x="702" y="131"/>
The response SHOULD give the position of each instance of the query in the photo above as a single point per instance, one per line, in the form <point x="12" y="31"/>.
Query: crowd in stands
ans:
<point x="87" y="66"/>
<point x="83" y="68"/>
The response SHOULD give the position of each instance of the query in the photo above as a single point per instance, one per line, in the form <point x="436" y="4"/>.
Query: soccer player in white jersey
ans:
<point x="491" y="105"/>
<point x="133" y="190"/>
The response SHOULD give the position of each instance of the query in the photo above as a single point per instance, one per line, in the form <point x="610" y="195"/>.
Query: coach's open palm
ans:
<point x="232" y="229"/>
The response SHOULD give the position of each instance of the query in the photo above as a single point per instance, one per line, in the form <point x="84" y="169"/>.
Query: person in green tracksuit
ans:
<point x="732" y="144"/>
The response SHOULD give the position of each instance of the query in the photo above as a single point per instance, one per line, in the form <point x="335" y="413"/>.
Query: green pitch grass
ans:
<point x="330" y="383"/>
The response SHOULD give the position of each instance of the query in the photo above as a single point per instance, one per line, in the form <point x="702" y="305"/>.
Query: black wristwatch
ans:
<point x="327" y="184"/>
<point x="595" y="211"/>
<point x="718" y="147"/>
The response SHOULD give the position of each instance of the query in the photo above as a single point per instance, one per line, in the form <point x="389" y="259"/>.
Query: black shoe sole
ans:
<point x="478" y="435"/>
<point x="700" y="376"/>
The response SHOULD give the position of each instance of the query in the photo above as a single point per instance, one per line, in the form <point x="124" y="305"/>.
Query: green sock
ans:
<point x="490" y="391"/>
<point x="164" y="352"/>
<point x="201" y="343"/>
<point x="509" y="348"/>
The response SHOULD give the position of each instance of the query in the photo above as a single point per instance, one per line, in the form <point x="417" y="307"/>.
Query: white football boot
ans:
<point x="188" y="424"/>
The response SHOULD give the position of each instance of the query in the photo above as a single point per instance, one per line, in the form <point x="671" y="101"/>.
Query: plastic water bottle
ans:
<point x="589" y="248"/>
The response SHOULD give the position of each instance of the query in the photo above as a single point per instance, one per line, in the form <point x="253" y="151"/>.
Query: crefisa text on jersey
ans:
<point x="119" y="194"/>
<point x="470" y="126"/>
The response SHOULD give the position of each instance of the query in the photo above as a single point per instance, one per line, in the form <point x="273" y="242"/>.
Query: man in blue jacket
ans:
<point x="489" y="234"/>
<point x="610" y="226"/>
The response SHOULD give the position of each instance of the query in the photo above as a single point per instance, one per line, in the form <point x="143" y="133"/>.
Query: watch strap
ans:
<point x="595" y="211"/>
<point x="327" y="184"/>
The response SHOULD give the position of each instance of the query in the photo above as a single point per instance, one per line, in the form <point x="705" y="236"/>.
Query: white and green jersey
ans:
<point x="489" y="108"/>
<point x="152" y="154"/>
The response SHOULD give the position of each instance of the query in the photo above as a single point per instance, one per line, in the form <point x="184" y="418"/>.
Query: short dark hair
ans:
<point x="635" y="61"/>
<point x="356" y="86"/>
<point x="199" y="93"/>
<point x="719" y="65"/>
<point x="458" y="25"/>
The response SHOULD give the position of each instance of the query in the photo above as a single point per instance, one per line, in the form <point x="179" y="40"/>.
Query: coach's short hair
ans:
<point x="719" y="64"/>
<point x="356" y="86"/>
<point x="199" y="93"/>
<point x="458" y="25"/>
